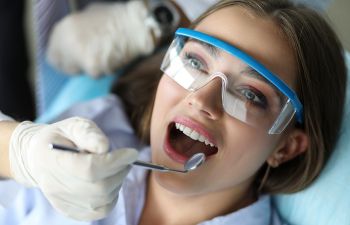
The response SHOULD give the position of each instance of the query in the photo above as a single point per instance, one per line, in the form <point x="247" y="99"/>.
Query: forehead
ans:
<point x="255" y="35"/>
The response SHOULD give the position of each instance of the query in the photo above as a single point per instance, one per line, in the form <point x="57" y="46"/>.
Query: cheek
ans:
<point x="245" y="151"/>
<point x="168" y="96"/>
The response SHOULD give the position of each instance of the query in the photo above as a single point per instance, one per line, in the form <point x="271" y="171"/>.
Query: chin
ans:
<point x="174" y="185"/>
<point x="179" y="184"/>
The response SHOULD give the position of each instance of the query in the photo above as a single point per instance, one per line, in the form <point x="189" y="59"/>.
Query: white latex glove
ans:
<point x="82" y="185"/>
<point x="101" y="38"/>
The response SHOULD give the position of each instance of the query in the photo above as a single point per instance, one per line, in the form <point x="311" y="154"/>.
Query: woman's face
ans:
<point x="240" y="150"/>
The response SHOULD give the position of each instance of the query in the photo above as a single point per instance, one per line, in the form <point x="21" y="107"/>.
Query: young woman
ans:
<point x="258" y="86"/>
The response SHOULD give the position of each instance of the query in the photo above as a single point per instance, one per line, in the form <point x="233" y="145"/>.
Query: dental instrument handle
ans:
<point x="143" y="164"/>
<point x="63" y="147"/>
<point x="151" y="166"/>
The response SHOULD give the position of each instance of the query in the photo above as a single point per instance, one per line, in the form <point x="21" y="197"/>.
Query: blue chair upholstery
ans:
<point x="61" y="91"/>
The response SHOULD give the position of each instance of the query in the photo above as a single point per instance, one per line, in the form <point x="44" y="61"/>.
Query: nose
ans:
<point x="207" y="100"/>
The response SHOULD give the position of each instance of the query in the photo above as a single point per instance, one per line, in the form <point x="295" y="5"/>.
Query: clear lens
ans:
<point x="246" y="94"/>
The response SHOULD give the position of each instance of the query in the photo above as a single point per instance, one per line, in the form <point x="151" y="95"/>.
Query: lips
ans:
<point x="185" y="138"/>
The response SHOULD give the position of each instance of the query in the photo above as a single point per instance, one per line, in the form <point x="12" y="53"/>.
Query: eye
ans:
<point x="253" y="96"/>
<point x="195" y="62"/>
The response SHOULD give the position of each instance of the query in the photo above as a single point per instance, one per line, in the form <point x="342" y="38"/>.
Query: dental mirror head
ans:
<point x="194" y="162"/>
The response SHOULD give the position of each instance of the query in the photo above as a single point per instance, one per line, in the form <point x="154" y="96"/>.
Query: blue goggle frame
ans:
<point x="283" y="87"/>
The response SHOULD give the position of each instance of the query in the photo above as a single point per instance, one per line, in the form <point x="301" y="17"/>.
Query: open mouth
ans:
<point x="183" y="142"/>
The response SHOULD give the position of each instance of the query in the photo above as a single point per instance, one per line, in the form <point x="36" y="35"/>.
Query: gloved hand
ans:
<point x="102" y="38"/>
<point x="82" y="185"/>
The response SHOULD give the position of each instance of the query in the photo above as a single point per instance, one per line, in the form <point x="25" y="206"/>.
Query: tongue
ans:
<point x="187" y="146"/>
<point x="184" y="144"/>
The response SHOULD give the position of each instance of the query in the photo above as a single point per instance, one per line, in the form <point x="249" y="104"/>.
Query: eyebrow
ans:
<point x="254" y="74"/>
<point x="212" y="50"/>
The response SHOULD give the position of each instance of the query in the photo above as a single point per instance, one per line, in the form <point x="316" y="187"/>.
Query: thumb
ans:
<point x="84" y="134"/>
<point x="93" y="167"/>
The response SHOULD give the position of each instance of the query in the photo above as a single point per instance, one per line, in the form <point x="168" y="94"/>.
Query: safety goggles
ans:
<point x="250" y="92"/>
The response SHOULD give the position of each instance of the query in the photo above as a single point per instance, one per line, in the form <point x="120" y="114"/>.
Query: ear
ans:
<point x="296" y="143"/>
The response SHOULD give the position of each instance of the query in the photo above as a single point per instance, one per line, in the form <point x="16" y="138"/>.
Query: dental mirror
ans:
<point x="191" y="164"/>
<point x="195" y="161"/>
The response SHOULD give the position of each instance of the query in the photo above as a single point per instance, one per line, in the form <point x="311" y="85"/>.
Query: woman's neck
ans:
<point x="167" y="208"/>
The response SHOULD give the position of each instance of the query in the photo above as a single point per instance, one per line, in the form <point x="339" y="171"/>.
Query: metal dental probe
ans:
<point x="191" y="164"/>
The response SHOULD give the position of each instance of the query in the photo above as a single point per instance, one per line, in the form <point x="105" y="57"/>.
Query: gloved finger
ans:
<point x="69" y="66"/>
<point x="82" y="189"/>
<point x="92" y="64"/>
<point x="85" y="134"/>
<point x="48" y="135"/>
<point x="62" y="52"/>
<point x="84" y="197"/>
<point x="94" y="167"/>
<point x="94" y="200"/>
<point x="104" y="210"/>
<point x="79" y="211"/>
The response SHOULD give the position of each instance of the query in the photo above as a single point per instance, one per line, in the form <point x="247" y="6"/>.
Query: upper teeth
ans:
<point x="193" y="134"/>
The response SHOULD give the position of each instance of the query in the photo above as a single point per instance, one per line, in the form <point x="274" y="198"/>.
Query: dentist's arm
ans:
<point x="6" y="129"/>
<point x="82" y="185"/>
